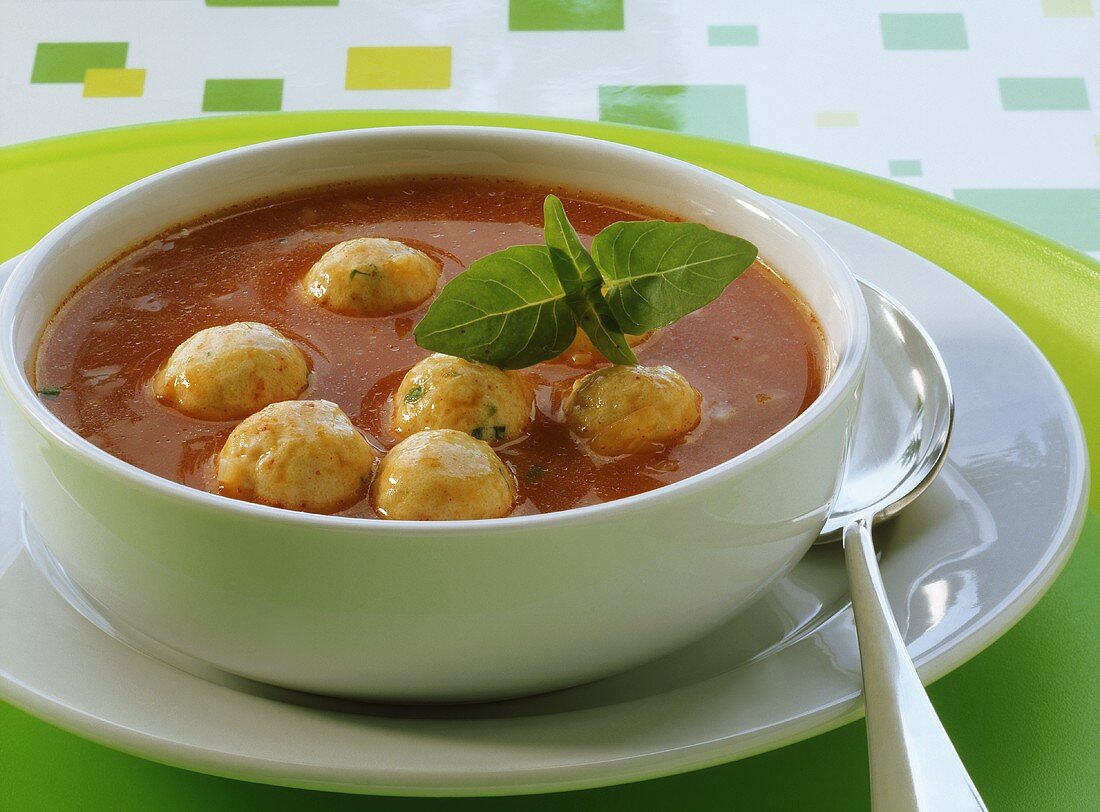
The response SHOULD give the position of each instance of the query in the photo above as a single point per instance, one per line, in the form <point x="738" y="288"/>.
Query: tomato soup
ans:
<point x="755" y="354"/>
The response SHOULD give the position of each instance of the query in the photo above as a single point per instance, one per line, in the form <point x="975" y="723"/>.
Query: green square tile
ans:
<point x="735" y="35"/>
<point x="905" y="169"/>
<point x="64" y="62"/>
<point x="227" y="3"/>
<point x="242" y="95"/>
<point x="565" y="15"/>
<point x="923" y="32"/>
<point x="1071" y="216"/>
<point x="714" y="111"/>
<point x="1044" y="93"/>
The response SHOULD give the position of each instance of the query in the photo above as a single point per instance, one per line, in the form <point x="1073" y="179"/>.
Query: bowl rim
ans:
<point x="848" y="367"/>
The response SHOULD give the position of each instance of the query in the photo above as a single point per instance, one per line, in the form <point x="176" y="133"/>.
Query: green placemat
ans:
<point x="1023" y="714"/>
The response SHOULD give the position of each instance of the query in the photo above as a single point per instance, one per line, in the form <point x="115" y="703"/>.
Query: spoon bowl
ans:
<point x="895" y="456"/>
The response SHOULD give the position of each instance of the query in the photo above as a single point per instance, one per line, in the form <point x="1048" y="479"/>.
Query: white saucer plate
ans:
<point x="961" y="565"/>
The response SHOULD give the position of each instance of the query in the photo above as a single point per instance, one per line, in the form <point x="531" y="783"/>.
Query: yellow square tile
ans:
<point x="1067" y="8"/>
<point x="827" y="119"/>
<point x="399" y="68"/>
<point x="114" y="82"/>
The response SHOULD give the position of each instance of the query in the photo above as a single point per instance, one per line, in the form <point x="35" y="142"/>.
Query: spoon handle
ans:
<point x="913" y="764"/>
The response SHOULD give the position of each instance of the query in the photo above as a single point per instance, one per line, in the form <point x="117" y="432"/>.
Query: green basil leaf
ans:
<point x="657" y="272"/>
<point x="583" y="285"/>
<point x="507" y="309"/>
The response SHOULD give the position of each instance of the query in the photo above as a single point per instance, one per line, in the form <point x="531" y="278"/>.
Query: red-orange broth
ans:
<point x="755" y="354"/>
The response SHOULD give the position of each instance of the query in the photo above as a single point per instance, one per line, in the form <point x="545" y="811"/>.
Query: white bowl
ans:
<point x="427" y="611"/>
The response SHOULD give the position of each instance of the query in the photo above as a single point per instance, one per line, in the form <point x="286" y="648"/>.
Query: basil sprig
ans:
<point x="656" y="272"/>
<point x="522" y="305"/>
<point x="507" y="309"/>
<point x="583" y="285"/>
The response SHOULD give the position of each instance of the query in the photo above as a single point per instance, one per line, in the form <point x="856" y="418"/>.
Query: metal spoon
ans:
<point x="900" y="444"/>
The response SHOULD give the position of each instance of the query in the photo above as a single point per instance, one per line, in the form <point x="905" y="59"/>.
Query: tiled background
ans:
<point x="992" y="103"/>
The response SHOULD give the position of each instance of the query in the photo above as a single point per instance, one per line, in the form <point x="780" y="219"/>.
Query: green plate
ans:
<point x="1023" y="714"/>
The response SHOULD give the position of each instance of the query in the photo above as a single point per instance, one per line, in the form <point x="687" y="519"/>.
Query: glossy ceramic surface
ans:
<point x="427" y="611"/>
<point x="961" y="565"/>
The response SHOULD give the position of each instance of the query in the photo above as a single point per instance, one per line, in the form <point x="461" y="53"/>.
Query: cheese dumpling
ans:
<point x="444" y="392"/>
<point x="371" y="276"/>
<point x="298" y="454"/>
<point x="231" y="371"/>
<point x="628" y="409"/>
<point x="443" y="474"/>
